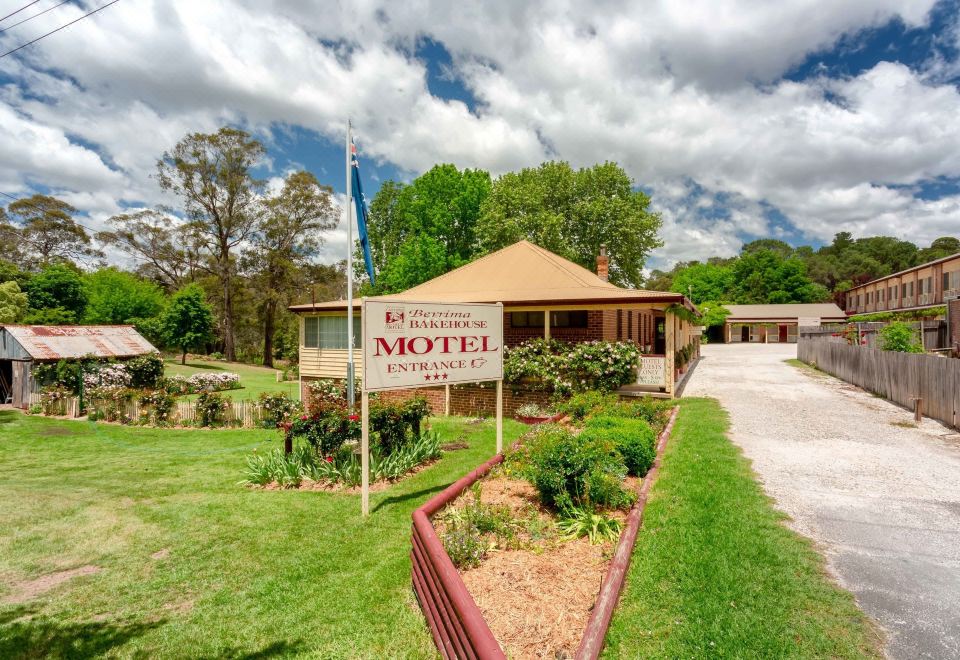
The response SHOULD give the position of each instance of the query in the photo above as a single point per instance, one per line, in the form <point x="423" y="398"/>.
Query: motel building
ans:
<point x="932" y="284"/>
<point x="543" y="295"/>
<point x="776" y="324"/>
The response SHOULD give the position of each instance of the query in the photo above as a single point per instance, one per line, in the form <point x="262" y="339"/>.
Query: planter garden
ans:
<point x="531" y="413"/>
<point x="510" y="559"/>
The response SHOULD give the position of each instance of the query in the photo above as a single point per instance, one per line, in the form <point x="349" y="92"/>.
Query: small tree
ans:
<point x="188" y="320"/>
<point x="901" y="337"/>
<point x="13" y="302"/>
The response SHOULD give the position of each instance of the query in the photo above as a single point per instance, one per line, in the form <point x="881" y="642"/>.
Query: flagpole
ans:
<point x="349" y="215"/>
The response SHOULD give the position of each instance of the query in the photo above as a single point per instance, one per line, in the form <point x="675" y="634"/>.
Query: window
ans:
<point x="572" y="319"/>
<point x="629" y="325"/>
<point x="946" y="281"/>
<point x="526" y="319"/>
<point x="329" y="332"/>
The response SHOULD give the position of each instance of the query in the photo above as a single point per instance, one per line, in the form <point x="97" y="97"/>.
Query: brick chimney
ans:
<point x="603" y="263"/>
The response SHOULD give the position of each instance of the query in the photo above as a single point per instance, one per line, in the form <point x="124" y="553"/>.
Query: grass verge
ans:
<point x="715" y="571"/>
<point x="190" y="563"/>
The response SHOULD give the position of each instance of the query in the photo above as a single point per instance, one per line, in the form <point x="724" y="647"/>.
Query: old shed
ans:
<point x="22" y="346"/>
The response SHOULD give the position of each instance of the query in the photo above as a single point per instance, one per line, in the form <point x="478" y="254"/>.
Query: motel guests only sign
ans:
<point x="408" y="344"/>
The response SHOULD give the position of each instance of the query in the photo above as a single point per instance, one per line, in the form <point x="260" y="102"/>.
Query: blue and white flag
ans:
<point x="361" y="203"/>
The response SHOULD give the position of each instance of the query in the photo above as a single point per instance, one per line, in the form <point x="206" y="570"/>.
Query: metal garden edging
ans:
<point x="456" y="623"/>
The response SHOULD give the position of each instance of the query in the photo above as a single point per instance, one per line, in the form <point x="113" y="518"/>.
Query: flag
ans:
<point x="361" y="203"/>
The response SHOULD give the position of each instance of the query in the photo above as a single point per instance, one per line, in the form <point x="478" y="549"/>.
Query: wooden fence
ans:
<point x="900" y="377"/>
<point x="934" y="333"/>
<point x="243" y="414"/>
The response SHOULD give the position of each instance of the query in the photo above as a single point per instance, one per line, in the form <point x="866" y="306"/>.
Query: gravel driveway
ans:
<point x="880" y="497"/>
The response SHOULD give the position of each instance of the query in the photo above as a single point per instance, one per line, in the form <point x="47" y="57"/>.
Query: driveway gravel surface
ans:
<point x="879" y="496"/>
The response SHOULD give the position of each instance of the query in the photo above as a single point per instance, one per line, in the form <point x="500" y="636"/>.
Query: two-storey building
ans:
<point x="921" y="287"/>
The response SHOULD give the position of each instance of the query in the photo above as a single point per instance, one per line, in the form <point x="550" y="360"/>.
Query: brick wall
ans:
<point x="472" y="400"/>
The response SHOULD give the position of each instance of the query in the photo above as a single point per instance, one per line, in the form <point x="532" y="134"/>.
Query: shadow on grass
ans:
<point x="199" y="365"/>
<point x="283" y="647"/>
<point x="8" y="416"/>
<point x="406" y="497"/>
<point x="42" y="637"/>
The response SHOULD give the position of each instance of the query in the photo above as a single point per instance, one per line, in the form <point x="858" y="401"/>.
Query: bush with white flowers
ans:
<point x="213" y="382"/>
<point x="566" y="368"/>
<point x="107" y="375"/>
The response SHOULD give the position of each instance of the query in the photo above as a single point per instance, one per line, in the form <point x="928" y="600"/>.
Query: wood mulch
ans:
<point x="537" y="600"/>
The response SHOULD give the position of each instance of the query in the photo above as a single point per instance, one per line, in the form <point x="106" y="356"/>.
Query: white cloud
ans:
<point x="675" y="92"/>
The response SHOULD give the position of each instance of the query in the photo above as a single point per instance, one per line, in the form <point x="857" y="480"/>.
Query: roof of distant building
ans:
<point x="55" y="342"/>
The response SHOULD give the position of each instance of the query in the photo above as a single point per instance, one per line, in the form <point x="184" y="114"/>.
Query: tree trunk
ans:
<point x="229" y="349"/>
<point x="269" y="329"/>
<point x="183" y="358"/>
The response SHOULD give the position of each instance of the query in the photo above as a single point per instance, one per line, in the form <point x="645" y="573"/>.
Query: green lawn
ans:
<point x="240" y="573"/>
<point x="715" y="573"/>
<point x="254" y="379"/>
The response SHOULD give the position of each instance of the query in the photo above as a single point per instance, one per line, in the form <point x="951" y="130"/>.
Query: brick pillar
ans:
<point x="603" y="263"/>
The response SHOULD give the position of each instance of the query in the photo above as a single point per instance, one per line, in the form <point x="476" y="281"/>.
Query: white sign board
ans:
<point x="409" y="344"/>
<point x="652" y="371"/>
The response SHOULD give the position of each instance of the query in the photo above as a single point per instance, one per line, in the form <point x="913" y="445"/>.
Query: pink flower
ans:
<point x="303" y="418"/>
<point x="328" y="459"/>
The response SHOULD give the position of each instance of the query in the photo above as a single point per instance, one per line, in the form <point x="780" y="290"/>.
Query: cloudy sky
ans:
<point x="792" y="119"/>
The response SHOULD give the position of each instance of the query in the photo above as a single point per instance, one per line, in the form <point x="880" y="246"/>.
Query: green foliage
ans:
<point x="116" y="297"/>
<point x="909" y="315"/>
<point x="156" y="406"/>
<point x="655" y="412"/>
<point x="572" y="213"/>
<point x="188" y="320"/>
<point x="326" y="430"/>
<point x="145" y="370"/>
<point x="597" y="527"/>
<point x="396" y="423"/>
<point x="471" y="529"/>
<point x="570" y="471"/>
<point x="765" y="276"/>
<point x="422" y="230"/>
<point x="48" y="232"/>
<point x="901" y="337"/>
<point x="211" y="408"/>
<point x="583" y="404"/>
<point x="56" y="294"/>
<point x="632" y="437"/>
<point x="712" y="313"/>
<point x="278" y="408"/>
<point x="555" y="366"/>
<point x="704" y="281"/>
<point x="13" y="302"/>
<point x="53" y="399"/>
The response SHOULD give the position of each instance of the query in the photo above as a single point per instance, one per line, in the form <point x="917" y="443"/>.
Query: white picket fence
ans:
<point x="242" y="414"/>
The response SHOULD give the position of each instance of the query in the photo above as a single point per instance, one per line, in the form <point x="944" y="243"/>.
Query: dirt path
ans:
<point x="880" y="497"/>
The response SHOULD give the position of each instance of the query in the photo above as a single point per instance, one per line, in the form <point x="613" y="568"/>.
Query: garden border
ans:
<point x="456" y="623"/>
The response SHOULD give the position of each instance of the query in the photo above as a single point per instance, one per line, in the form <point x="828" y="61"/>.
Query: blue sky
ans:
<point x="741" y="121"/>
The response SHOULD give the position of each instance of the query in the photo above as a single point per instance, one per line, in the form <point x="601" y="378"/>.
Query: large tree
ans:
<point x="211" y="173"/>
<point x="166" y="249"/>
<point x="115" y="297"/>
<point x="424" y="229"/>
<point x="56" y="295"/>
<point x="49" y="232"/>
<point x="573" y="212"/>
<point x="287" y="238"/>
<point x="702" y="282"/>
<point x="944" y="246"/>
<point x="765" y="276"/>
<point x="13" y="302"/>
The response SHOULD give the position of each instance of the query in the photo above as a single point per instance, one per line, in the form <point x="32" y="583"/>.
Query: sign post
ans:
<point x="411" y="344"/>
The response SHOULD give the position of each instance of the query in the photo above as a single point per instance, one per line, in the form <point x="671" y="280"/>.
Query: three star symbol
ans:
<point x="435" y="377"/>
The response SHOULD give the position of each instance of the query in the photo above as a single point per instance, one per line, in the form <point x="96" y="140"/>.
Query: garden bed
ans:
<point x="526" y="571"/>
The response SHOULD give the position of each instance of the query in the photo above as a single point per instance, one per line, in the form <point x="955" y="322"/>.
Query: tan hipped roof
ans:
<point x="55" y="342"/>
<point x="785" y="312"/>
<point x="520" y="274"/>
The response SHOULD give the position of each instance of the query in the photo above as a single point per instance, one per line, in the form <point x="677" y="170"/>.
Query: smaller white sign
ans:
<point x="410" y="344"/>
<point x="652" y="371"/>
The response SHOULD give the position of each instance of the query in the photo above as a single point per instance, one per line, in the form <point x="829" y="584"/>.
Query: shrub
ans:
<point x="633" y="439"/>
<point x="655" y="412"/>
<point x="325" y="393"/>
<point x="581" y="405"/>
<point x="211" y="408"/>
<point x="465" y="545"/>
<point x="555" y="366"/>
<point x="326" y="431"/>
<point x="570" y="471"/>
<point x="156" y="406"/>
<point x="175" y="385"/>
<point x="476" y="528"/>
<point x="109" y="403"/>
<point x="277" y="408"/>
<point x="901" y="337"/>
<point x="106" y="375"/>
<point x="213" y="382"/>
<point x="145" y="370"/>
<point x="53" y="399"/>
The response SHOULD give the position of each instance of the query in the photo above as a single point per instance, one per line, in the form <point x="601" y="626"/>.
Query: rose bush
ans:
<point x="562" y="368"/>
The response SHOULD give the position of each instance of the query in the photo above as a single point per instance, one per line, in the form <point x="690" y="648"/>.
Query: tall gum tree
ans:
<point x="221" y="198"/>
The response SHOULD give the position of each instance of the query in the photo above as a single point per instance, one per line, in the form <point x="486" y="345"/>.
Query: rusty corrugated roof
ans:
<point x="55" y="342"/>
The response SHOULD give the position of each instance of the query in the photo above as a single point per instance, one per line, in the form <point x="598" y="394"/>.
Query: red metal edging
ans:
<point x="596" y="632"/>
<point x="456" y="623"/>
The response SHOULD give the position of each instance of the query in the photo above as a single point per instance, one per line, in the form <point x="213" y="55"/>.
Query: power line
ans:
<point x="19" y="10"/>
<point x="9" y="27"/>
<point x="43" y="36"/>
<point x="43" y="210"/>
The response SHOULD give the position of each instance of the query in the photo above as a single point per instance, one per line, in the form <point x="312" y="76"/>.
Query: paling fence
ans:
<point x="243" y="414"/>
<point x="900" y="377"/>
<point x="934" y="333"/>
